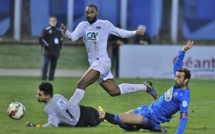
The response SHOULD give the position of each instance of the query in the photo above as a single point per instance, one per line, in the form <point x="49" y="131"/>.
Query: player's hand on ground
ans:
<point x="63" y="28"/>
<point x="188" y="46"/>
<point x="30" y="124"/>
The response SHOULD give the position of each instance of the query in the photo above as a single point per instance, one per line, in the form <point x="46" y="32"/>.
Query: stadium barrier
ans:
<point x="157" y="61"/>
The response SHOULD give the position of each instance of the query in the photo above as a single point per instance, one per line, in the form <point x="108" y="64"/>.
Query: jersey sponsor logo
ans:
<point x="61" y="103"/>
<point x="92" y="35"/>
<point x="168" y="94"/>
<point x="184" y="103"/>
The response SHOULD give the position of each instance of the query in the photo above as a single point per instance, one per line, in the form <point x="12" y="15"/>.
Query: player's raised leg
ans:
<point x="110" y="86"/>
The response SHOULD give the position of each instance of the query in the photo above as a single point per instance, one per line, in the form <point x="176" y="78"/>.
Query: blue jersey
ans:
<point x="169" y="103"/>
<point x="173" y="100"/>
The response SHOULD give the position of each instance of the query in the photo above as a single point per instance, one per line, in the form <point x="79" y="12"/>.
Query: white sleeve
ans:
<point x="120" y="32"/>
<point x="76" y="34"/>
<point x="53" y="121"/>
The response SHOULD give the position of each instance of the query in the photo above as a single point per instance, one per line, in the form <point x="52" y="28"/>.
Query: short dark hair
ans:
<point x="47" y="88"/>
<point x="92" y="5"/>
<point x="186" y="72"/>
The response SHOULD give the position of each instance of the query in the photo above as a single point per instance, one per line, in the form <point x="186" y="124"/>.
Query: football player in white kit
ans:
<point x="61" y="112"/>
<point x="95" y="34"/>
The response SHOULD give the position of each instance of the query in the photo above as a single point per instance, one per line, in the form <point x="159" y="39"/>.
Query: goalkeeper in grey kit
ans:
<point x="61" y="112"/>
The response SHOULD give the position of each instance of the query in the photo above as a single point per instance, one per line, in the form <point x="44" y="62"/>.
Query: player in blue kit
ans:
<point x="177" y="98"/>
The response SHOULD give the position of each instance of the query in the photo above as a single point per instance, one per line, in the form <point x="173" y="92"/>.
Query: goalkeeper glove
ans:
<point x="31" y="124"/>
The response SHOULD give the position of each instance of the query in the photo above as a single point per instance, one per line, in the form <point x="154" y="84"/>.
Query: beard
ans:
<point x="178" y="85"/>
<point x="41" y="100"/>
<point x="91" y="20"/>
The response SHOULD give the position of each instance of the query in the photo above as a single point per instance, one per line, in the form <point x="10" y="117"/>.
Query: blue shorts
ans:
<point x="143" y="110"/>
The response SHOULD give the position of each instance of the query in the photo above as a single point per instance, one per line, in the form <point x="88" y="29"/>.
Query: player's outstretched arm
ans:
<point x="182" y="125"/>
<point x="188" y="46"/>
<point x="63" y="29"/>
<point x="179" y="60"/>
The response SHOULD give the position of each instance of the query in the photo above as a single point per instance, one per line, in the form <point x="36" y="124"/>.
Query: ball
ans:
<point x="16" y="110"/>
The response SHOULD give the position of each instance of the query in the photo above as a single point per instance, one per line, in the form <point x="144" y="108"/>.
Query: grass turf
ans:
<point x="23" y="89"/>
<point x="29" y="57"/>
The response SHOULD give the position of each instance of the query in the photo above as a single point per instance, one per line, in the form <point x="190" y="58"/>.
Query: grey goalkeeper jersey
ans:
<point x="59" y="110"/>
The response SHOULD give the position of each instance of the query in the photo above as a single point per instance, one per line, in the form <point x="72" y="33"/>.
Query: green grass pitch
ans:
<point x="23" y="89"/>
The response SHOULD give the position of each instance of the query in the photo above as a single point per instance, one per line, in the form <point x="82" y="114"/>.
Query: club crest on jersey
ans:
<point x="92" y="35"/>
<point x="50" y="31"/>
<point x="61" y="103"/>
<point x="184" y="103"/>
<point x="98" y="27"/>
<point x="168" y="94"/>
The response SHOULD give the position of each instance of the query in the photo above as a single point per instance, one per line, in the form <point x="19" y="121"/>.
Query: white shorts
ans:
<point x="104" y="67"/>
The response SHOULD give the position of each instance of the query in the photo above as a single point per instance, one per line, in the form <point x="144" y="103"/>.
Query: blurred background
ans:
<point x="169" y="24"/>
<point x="167" y="21"/>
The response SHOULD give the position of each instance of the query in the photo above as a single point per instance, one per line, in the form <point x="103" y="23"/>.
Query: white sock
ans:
<point x="77" y="96"/>
<point x="129" y="88"/>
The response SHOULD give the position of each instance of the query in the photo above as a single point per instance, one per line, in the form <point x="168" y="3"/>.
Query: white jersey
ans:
<point x="95" y="37"/>
<point x="60" y="111"/>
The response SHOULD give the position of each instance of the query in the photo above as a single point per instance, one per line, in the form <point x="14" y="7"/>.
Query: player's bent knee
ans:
<point x="125" y="126"/>
<point x="113" y="93"/>
<point x="144" y="121"/>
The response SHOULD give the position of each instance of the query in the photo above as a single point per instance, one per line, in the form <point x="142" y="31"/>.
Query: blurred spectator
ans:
<point x="51" y="41"/>
<point x="113" y="49"/>
<point x="145" y="39"/>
